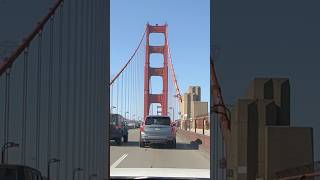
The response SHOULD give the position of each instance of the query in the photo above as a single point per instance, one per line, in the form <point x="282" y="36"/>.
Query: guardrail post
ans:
<point x="195" y="125"/>
<point x="203" y="126"/>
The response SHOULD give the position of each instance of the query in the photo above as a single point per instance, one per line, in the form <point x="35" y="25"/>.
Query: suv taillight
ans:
<point x="142" y="127"/>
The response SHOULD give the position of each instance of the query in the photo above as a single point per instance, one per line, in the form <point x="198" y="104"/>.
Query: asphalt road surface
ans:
<point x="129" y="155"/>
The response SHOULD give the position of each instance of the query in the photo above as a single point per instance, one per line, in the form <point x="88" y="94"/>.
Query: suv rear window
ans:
<point x="158" y="121"/>
<point x="114" y="119"/>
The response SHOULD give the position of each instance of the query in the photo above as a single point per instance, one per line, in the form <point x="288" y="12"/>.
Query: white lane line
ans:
<point x="115" y="164"/>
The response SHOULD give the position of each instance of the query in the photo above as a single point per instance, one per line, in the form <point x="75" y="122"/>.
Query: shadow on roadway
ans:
<point x="129" y="143"/>
<point x="193" y="145"/>
<point x="180" y="146"/>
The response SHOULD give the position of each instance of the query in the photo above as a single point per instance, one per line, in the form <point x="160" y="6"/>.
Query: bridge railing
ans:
<point x="198" y="125"/>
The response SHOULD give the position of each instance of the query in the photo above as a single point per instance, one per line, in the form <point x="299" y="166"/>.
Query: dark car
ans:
<point x="118" y="129"/>
<point x="19" y="172"/>
<point x="158" y="129"/>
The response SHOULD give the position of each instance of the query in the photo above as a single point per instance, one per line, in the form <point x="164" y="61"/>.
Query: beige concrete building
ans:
<point x="261" y="142"/>
<point x="191" y="105"/>
<point x="198" y="109"/>
<point x="195" y="92"/>
<point x="276" y="89"/>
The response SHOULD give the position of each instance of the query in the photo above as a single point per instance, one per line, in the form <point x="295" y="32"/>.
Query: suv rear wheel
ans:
<point x="173" y="144"/>
<point x="125" y="138"/>
<point x="141" y="143"/>
<point x="119" y="140"/>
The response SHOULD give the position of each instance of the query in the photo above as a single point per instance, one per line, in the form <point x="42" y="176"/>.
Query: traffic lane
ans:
<point x="186" y="155"/>
<point x="117" y="151"/>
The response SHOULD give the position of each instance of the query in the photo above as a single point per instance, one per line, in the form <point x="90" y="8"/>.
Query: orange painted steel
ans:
<point x="162" y="71"/>
<point x="178" y="94"/>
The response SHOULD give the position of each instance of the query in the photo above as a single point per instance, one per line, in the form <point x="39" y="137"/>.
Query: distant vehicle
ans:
<point x="19" y="172"/>
<point x="157" y="129"/>
<point x="138" y="124"/>
<point x="118" y="129"/>
<point x="131" y="124"/>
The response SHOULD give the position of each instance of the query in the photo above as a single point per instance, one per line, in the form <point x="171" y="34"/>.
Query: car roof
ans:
<point x="158" y="116"/>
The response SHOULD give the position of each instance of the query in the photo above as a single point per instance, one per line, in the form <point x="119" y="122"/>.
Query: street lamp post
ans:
<point x="93" y="176"/>
<point x="53" y="160"/>
<point x="75" y="171"/>
<point x="172" y="112"/>
<point x="6" y="146"/>
<point x="125" y="115"/>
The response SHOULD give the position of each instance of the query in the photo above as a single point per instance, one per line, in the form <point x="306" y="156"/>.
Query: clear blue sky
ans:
<point x="188" y="32"/>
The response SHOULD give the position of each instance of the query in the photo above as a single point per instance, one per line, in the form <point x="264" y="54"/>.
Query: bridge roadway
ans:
<point x="129" y="155"/>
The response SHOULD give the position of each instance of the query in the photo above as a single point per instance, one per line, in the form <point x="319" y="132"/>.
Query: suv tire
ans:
<point x="119" y="140"/>
<point x="125" y="138"/>
<point x="173" y="144"/>
<point x="141" y="143"/>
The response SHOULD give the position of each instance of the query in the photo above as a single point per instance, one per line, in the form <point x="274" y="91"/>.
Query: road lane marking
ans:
<point x="115" y="164"/>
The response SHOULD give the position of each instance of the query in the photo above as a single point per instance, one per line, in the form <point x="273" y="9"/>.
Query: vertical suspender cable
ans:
<point x="80" y="97"/>
<point x="49" y="125"/>
<point x="24" y="107"/>
<point x="91" y="85"/>
<point x="7" y="109"/>
<point x="111" y="99"/>
<point x="101" y="90"/>
<point x="128" y="90"/>
<point x="68" y="72"/>
<point x="97" y="84"/>
<point x="117" y="106"/>
<point x="131" y="90"/>
<point x="125" y="93"/>
<point x="121" y="109"/>
<point x="132" y="85"/>
<point x="74" y="98"/>
<point x="38" y="99"/>
<point x="86" y="55"/>
<point x="60" y="89"/>
<point x="95" y="39"/>
<point x="136" y="87"/>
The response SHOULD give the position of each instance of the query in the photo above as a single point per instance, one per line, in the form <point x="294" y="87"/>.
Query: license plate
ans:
<point x="157" y="129"/>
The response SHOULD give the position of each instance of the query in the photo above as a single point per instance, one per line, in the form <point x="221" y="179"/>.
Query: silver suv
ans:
<point x="158" y="129"/>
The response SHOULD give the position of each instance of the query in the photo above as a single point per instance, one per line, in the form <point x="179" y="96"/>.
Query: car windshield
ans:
<point x="158" y="121"/>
